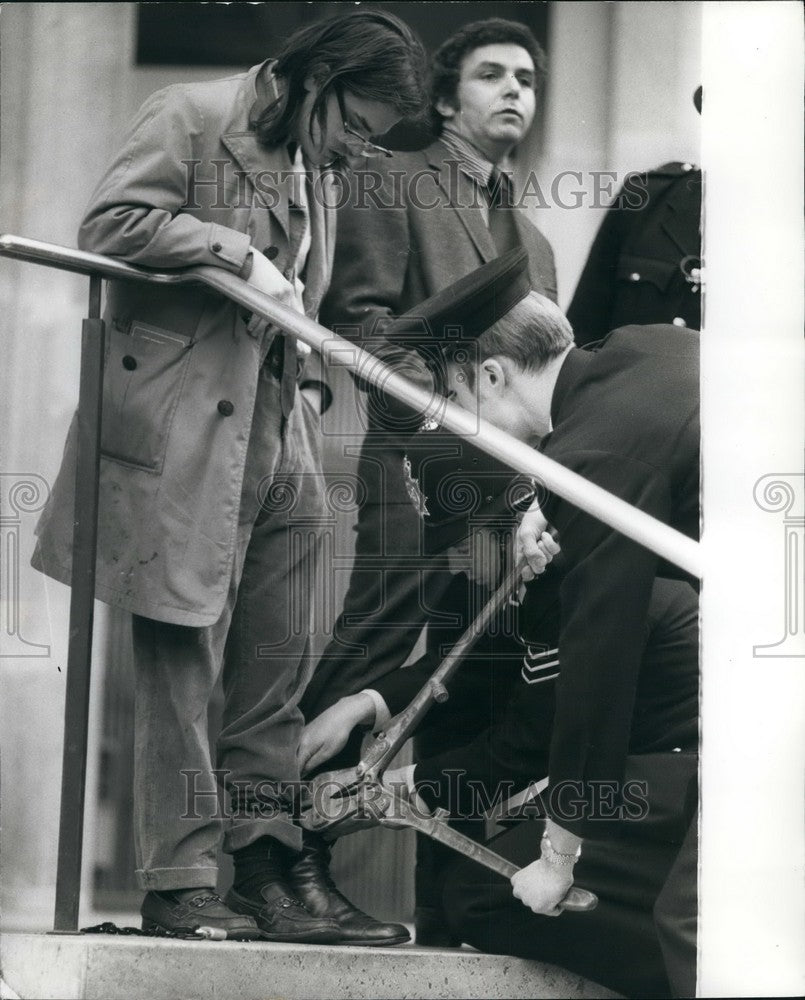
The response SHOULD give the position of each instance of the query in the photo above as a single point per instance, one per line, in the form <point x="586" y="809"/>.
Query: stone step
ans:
<point x="106" y="967"/>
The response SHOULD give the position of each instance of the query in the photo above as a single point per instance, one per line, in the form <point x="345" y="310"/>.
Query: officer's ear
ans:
<point x="494" y="377"/>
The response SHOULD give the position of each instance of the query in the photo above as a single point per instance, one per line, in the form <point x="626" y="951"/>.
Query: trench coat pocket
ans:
<point x="143" y="377"/>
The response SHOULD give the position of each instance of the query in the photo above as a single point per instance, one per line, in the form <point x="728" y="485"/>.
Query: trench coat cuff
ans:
<point x="228" y="247"/>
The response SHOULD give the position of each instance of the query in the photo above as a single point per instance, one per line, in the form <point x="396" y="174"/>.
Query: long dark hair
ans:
<point x="371" y="53"/>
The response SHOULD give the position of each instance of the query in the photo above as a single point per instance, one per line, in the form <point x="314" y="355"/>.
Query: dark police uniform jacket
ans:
<point x="625" y="416"/>
<point x="643" y="261"/>
<point x="499" y="716"/>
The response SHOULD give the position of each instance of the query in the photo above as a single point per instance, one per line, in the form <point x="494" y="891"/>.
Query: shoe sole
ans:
<point x="191" y="933"/>
<point x="304" y="938"/>
<point x="385" y="943"/>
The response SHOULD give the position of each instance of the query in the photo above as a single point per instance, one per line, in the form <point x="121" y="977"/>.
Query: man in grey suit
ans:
<point x="410" y="229"/>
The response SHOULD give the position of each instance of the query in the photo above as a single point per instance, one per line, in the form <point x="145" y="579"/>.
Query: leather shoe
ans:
<point x="183" y="911"/>
<point x="310" y="877"/>
<point x="280" y="916"/>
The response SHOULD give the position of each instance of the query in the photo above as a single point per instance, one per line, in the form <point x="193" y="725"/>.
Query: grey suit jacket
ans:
<point x="412" y="226"/>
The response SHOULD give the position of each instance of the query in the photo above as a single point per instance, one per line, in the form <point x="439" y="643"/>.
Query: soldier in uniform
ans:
<point x="645" y="263"/>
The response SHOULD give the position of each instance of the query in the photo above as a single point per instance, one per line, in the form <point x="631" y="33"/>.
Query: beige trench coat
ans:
<point x="182" y="363"/>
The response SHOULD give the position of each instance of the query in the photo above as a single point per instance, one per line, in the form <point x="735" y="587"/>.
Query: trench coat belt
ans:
<point x="283" y="363"/>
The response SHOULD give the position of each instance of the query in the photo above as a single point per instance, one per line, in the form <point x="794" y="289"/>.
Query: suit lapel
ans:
<point x="463" y="197"/>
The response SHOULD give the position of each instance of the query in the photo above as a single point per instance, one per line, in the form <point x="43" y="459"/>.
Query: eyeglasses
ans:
<point x="353" y="142"/>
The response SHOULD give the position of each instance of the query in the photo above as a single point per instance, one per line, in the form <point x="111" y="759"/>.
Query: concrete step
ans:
<point x="106" y="967"/>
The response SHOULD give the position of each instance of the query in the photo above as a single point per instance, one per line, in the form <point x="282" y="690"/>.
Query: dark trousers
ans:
<point x="479" y="694"/>
<point x="260" y="643"/>
<point x="643" y="872"/>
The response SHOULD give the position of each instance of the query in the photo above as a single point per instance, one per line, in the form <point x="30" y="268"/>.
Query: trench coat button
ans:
<point x="678" y="321"/>
<point x="271" y="252"/>
<point x="634" y="276"/>
<point x="217" y="248"/>
<point x="225" y="408"/>
<point x="129" y="363"/>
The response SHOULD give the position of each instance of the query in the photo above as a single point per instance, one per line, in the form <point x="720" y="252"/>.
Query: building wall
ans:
<point x="619" y="98"/>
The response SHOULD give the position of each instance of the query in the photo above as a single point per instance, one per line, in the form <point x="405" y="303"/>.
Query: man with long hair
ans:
<point x="204" y="438"/>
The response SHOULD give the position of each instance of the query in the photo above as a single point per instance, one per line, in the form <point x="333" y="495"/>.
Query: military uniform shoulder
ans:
<point x="652" y="338"/>
<point x="676" y="168"/>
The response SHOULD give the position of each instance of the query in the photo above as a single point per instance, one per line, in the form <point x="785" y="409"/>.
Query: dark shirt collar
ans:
<point x="571" y="372"/>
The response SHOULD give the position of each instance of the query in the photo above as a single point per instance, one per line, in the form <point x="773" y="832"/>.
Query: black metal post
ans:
<point x="79" y="653"/>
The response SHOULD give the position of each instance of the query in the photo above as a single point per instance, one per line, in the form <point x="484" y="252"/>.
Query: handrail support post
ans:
<point x="79" y="652"/>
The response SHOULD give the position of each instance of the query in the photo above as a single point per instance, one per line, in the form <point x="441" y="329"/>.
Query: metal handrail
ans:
<point x="335" y="350"/>
<point x="635" y="524"/>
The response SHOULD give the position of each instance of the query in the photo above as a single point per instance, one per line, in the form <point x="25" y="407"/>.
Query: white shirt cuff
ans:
<point x="382" y="713"/>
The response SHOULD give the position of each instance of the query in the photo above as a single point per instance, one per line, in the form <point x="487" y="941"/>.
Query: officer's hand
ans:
<point x="542" y="886"/>
<point x="328" y="733"/>
<point x="534" y="547"/>
<point x="266" y="278"/>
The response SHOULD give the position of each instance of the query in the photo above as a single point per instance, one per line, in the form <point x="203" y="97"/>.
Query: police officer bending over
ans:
<point x="617" y="730"/>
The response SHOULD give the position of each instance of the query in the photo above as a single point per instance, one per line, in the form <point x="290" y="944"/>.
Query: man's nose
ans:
<point x="512" y="85"/>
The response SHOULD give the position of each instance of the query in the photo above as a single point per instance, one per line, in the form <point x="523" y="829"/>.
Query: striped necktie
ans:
<point x="502" y="224"/>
